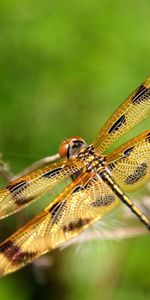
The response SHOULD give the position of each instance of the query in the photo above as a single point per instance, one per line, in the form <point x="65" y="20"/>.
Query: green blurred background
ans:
<point x="65" y="66"/>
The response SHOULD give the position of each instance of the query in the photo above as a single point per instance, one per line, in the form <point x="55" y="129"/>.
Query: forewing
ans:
<point x="132" y="111"/>
<point x="26" y="189"/>
<point x="130" y="163"/>
<point x="81" y="204"/>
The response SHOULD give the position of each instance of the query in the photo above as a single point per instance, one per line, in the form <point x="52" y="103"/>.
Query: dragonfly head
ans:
<point x="71" y="147"/>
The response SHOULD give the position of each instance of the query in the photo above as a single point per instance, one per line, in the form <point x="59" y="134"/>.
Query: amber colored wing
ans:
<point x="26" y="189"/>
<point x="132" y="111"/>
<point x="130" y="163"/>
<point x="81" y="204"/>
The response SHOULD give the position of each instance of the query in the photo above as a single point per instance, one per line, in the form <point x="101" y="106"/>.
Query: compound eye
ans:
<point x="63" y="149"/>
<point x="71" y="147"/>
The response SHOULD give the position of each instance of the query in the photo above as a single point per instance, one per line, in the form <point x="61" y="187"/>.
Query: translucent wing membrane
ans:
<point x="81" y="204"/>
<point x="93" y="192"/>
<point x="26" y="189"/>
<point x="130" y="163"/>
<point x="129" y="114"/>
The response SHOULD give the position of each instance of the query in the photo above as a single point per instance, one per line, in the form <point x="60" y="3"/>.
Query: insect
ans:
<point x="98" y="182"/>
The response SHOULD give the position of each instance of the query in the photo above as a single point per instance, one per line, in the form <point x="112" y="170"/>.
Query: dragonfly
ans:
<point x="97" y="184"/>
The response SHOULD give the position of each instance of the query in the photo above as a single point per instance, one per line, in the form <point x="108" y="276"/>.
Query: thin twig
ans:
<point x="9" y="176"/>
<point x="114" y="234"/>
<point x="38" y="164"/>
<point x="5" y="170"/>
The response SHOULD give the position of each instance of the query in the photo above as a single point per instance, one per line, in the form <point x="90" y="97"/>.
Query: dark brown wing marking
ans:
<point x="138" y="174"/>
<point x="52" y="173"/>
<point x="77" y="224"/>
<point x="57" y="212"/>
<point x="142" y="94"/>
<point x="148" y="137"/>
<point x="128" y="151"/>
<point x="103" y="200"/>
<point x="14" y="253"/>
<point x="117" y="124"/>
<point x="12" y="187"/>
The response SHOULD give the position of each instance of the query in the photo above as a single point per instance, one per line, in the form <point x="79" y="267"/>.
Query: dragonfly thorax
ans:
<point x="92" y="160"/>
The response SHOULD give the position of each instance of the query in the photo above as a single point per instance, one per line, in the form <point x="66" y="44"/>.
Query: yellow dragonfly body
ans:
<point x="98" y="183"/>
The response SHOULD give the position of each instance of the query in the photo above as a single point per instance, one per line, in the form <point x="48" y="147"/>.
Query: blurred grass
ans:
<point x="64" y="68"/>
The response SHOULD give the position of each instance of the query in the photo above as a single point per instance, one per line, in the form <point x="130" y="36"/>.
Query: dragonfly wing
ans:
<point x="130" y="163"/>
<point x="132" y="111"/>
<point x="81" y="204"/>
<point x="26" y="189"/>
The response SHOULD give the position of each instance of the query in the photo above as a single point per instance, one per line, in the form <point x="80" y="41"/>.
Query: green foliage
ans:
<point x="65" y="66"/>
